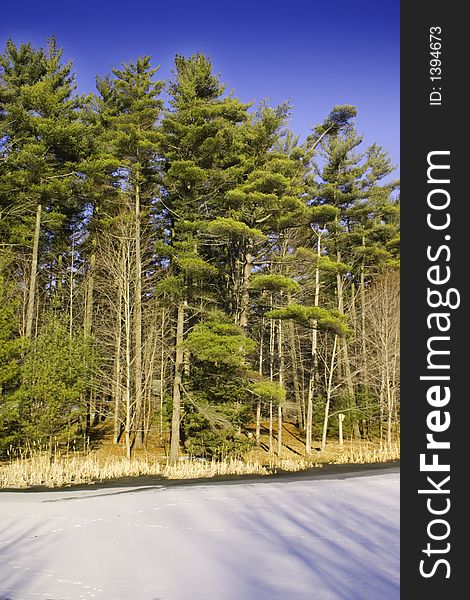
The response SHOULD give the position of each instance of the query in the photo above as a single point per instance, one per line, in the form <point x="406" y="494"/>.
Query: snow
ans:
<point x="316" y="539"/>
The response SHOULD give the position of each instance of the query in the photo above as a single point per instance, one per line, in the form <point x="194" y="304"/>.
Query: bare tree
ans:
<point x="382" y="340"/>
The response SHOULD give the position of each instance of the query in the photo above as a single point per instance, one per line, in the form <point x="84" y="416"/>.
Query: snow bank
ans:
<point x="316" y="539"/>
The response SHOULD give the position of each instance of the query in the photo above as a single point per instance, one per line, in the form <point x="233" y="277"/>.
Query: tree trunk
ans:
<point x="343" y="356"/>
<point x="271" y="378"/>
<point x="390" y="416"/>
<point x="162" y="374"/>
<point x="117" y="357"/>
<point x="179" y="356"/>
<point x="245" y="294"/>
<point x="328" y="396"/>
<point x="138" y="323"/>
<point x="148" y="404"/>
<point x="88" y="322"/>
<point x="314" y="360"/>
<point x="350" y="387"/>
<point x="388" y="381"/>
<point x="72" y="266"/>
<point x="270" y="428"/>
<point x="295" y="374"/>
<point x="362" y="292"/>
<point x="281" y="384"/>
<point x="364" y="364"/>
<point x="260" y="371"/>
<point x="394" y="373"/>
<point x="34" y="268"/>
<point x="128" y="355"/>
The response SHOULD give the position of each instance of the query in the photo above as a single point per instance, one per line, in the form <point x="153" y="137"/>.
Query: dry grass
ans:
<point x="365" y="453"/>
<point x="57" y="470"/>
<point x="355" y="452"/>
<point x="60" y="470"/>
<point x="39" y="468"/>
<point x="296" y="464"/>
<point x="193" y="469"/>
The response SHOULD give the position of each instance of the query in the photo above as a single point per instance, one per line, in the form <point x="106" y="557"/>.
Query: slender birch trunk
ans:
<point x="313" y="359"/>
<point x="162" y="372"/>
<point x="364" y="362"/>
<point x="271" y="378"/>
<point x="34" y="269"/>
<point x="281" y="384"/>
<point x="310" y="392"/>
<point x="178" y="377"/>
<point x="295" y="375"/>
<point x="88" y="317"/>
<point x="260" y="370"/>
<point x="88" y="321"/>
<point x="138" y="322"/>
<point x="128" y="353"/>
<point x="117" y="355"/>
<point x="72" y="266"/>
<point x="328" y="395"/>
<point x="343" y="356"/>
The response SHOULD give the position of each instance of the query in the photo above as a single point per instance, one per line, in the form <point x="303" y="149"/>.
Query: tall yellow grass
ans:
<point x="40" y="468"/>
<point x="363" y="454"/>
<point x="56" y="471"/>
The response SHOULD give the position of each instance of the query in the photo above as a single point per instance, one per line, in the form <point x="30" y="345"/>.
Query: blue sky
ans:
<point x="315" y="53"/>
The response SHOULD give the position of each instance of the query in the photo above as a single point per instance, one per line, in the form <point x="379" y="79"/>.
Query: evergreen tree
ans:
<point x="56" y="371"/>
<point x="217" y="400"/>
<point x="10" y="363"/>
<point x="218" y="264"/>
<point x="129" y="108"/>
<point x="201" y="162"/>
<point x="363" y="233"/>
<point x="43" y="141"/>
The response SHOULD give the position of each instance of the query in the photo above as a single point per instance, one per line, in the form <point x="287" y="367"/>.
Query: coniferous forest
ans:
<point x="178" y="266"/>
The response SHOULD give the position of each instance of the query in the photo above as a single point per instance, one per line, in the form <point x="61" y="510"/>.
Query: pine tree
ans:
<point x="217" y="397"/>
<point x="363" y="232"/>
<point x="56" y="372"/>
<point x="217" y="264"/>
<point x="10" y="363"/>
<point x="129" y="109"/>
<point x="43" y="143"/>
<point x="201" y="162"/>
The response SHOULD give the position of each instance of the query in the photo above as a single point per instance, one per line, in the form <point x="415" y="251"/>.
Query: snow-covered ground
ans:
<point x="314" y="539"/>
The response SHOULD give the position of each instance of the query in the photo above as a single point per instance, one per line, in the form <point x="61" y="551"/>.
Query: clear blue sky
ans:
<point x="315" y="53"/>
